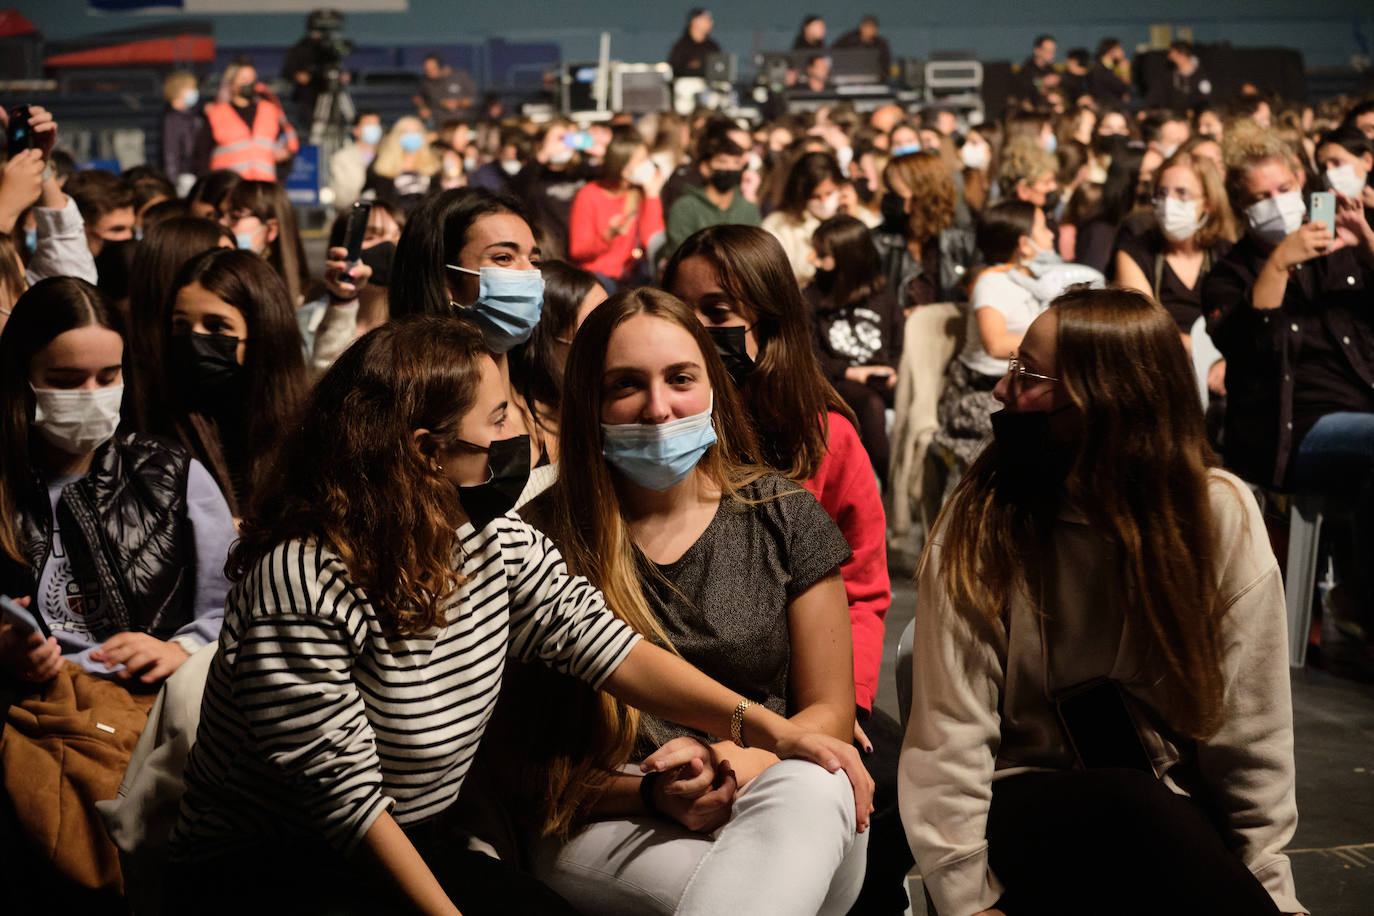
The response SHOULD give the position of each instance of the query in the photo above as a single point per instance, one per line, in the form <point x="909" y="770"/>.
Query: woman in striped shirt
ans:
<point x="364" y="642"/>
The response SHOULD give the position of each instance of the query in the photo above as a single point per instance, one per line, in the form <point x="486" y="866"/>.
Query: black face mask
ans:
<point x="863" y="189"/>
<point x="726" y="179"/>
<point x="508" y="464"/>
<point x="246" y="91"/>
<point x="379" y="258"/>
<point x="893" y="208"/>
<point x="825" y="280"/>
<point x="205" y="367"/>
<point x="1031" y="467"/>
<point x="729" y="343"/>
<point x="1051" y="204"/>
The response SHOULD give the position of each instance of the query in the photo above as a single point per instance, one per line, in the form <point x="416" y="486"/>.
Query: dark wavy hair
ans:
<point x="535" y="371"/>
<point x="787" y="395"/>
<point x="50" y="307"/>
<point x="858" y="273"/>
<point x="273" y="366"/>
<point x="434" y="234"/>
<point x="351" y="475"/>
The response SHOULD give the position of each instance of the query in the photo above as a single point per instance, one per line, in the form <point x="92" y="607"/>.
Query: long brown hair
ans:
<point x="350" y="474"/>
<point x="273" y="366"/>
<point x="587" y="524"/>
<point x="1140" y="475"/>
<point x="787" y="396"/>
<point x="1221" y="222"/>
<point x="930" y="186"/>
<point x="164" y="249"/>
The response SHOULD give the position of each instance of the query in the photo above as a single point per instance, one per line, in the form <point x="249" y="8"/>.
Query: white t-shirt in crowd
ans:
<point x="996" y="289"/>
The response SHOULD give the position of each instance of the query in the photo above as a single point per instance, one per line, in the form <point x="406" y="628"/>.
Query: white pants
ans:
<point x="789" y="848"/>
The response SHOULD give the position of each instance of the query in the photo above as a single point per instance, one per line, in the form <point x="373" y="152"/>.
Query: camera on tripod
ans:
<point x="329" y="47"/>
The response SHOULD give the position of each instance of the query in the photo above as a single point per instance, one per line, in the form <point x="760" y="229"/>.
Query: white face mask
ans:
<point x="1178" y="218"/>
<point x="974" y="156"/>
<point x="643" y="173"/>
<point x="825" y="208"/>
<point x="510" y="166"/>
<point x="844" y="155"/>
<point x="77" y="420"/>
<point x="1275" y="218"/>
<point x="1345" y="180"/>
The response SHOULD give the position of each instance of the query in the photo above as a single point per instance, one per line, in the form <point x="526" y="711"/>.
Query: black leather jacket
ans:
<point x="124" y="525"/>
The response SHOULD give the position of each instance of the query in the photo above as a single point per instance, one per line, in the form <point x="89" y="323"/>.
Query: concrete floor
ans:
<point x="1333" y="723"/>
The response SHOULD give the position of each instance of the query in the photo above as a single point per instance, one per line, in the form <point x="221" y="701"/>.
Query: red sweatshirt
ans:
<point x="846" y="487"/>
<point x="592" y="210"/>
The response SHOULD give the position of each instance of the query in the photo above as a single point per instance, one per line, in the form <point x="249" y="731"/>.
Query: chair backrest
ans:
<point x="901" y="669"/>
<point x="933" y="334"/>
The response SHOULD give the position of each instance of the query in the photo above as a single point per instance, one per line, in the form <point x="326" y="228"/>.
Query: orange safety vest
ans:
<point x="249" y="153"/>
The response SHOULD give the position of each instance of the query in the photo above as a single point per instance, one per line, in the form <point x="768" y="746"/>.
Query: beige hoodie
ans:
<point x="981" y="706"/>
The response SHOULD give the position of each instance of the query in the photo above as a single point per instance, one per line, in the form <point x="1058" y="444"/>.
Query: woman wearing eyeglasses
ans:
<point x="1194" y="230"/>
<point x="1100" y="717"/>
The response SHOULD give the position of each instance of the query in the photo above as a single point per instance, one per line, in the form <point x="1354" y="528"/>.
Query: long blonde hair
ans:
<point x="390" y="156"/>
<point x="1140" y="475"/>
<point x="587" y="524"/>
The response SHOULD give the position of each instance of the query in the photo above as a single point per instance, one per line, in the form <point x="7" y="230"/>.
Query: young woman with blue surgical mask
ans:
<point x="1289" y="309"/>
<point x="406" y="166"/>
<point x="737" y="570"/>
<point x="470" y="253"/>
<point x="264" y="222"/>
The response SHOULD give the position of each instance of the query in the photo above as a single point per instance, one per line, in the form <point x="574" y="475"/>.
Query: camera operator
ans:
<point x="311" y="61"/>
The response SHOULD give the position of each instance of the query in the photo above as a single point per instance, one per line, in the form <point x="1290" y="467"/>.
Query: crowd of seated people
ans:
<point x="614" y="403"/>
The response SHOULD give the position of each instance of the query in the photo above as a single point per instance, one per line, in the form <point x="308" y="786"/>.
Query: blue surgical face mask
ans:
<point x="508" y="304"/>
<point x="412" y="140"/>
<point x="1051" y="143"/>
<point x="245" y="241"/>
<point x="906" y="149"/>
<point x="658" y="456"/>
<point x="31" y="238"/>
<point x="190" y="97"/>
<point x="371" y="134"/>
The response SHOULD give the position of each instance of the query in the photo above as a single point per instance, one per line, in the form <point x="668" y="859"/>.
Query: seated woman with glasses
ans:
<point x="1194" y="230"/>
<point x="1100" y="716"/>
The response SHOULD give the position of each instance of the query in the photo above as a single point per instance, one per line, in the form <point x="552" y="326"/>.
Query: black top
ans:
<point x="1030" y="79"/>
<point x="185" y="143"/>
<point x="550" y="192"/>
<point x="1183" y="303"/>
<point x="455" y="86"/>
<point x="867" y="333"/>
<point x="724" y="602"/>
<point x="801" y="44"/>
<point x="1106" y="87"/>
<point x="688" y="57"/>
<point x="1288" y="367"/>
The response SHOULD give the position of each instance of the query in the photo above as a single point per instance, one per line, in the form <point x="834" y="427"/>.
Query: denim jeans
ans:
<point x="1336" y="459"/>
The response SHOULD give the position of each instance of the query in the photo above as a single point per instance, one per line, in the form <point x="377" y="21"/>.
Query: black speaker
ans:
<point x="913" y="73"/>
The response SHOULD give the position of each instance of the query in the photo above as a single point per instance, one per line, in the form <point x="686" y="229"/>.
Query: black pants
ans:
<point x="889" y="857"/>
<point x="1112" y="841"/>
<point x="870" y="406"/>
<point x="318" y="882"/>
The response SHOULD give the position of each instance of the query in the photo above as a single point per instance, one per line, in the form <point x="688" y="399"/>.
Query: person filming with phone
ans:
<point x="1289" y="308"/>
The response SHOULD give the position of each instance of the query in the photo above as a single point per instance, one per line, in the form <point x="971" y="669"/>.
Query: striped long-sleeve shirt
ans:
<point x="314" y="721"/>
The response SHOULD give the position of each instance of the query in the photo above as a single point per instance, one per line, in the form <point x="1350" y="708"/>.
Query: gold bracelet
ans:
<point x="737" y="722"/>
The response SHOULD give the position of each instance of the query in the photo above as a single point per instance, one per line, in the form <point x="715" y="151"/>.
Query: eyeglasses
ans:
<point x="1018" y="372"/>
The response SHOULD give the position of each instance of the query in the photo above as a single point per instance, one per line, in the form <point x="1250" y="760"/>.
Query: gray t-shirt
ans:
<point x="724" y="602"/>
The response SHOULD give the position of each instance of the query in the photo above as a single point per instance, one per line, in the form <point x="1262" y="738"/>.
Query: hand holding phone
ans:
<point x="20" y="617"/>
<point x="19" y="134"/>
